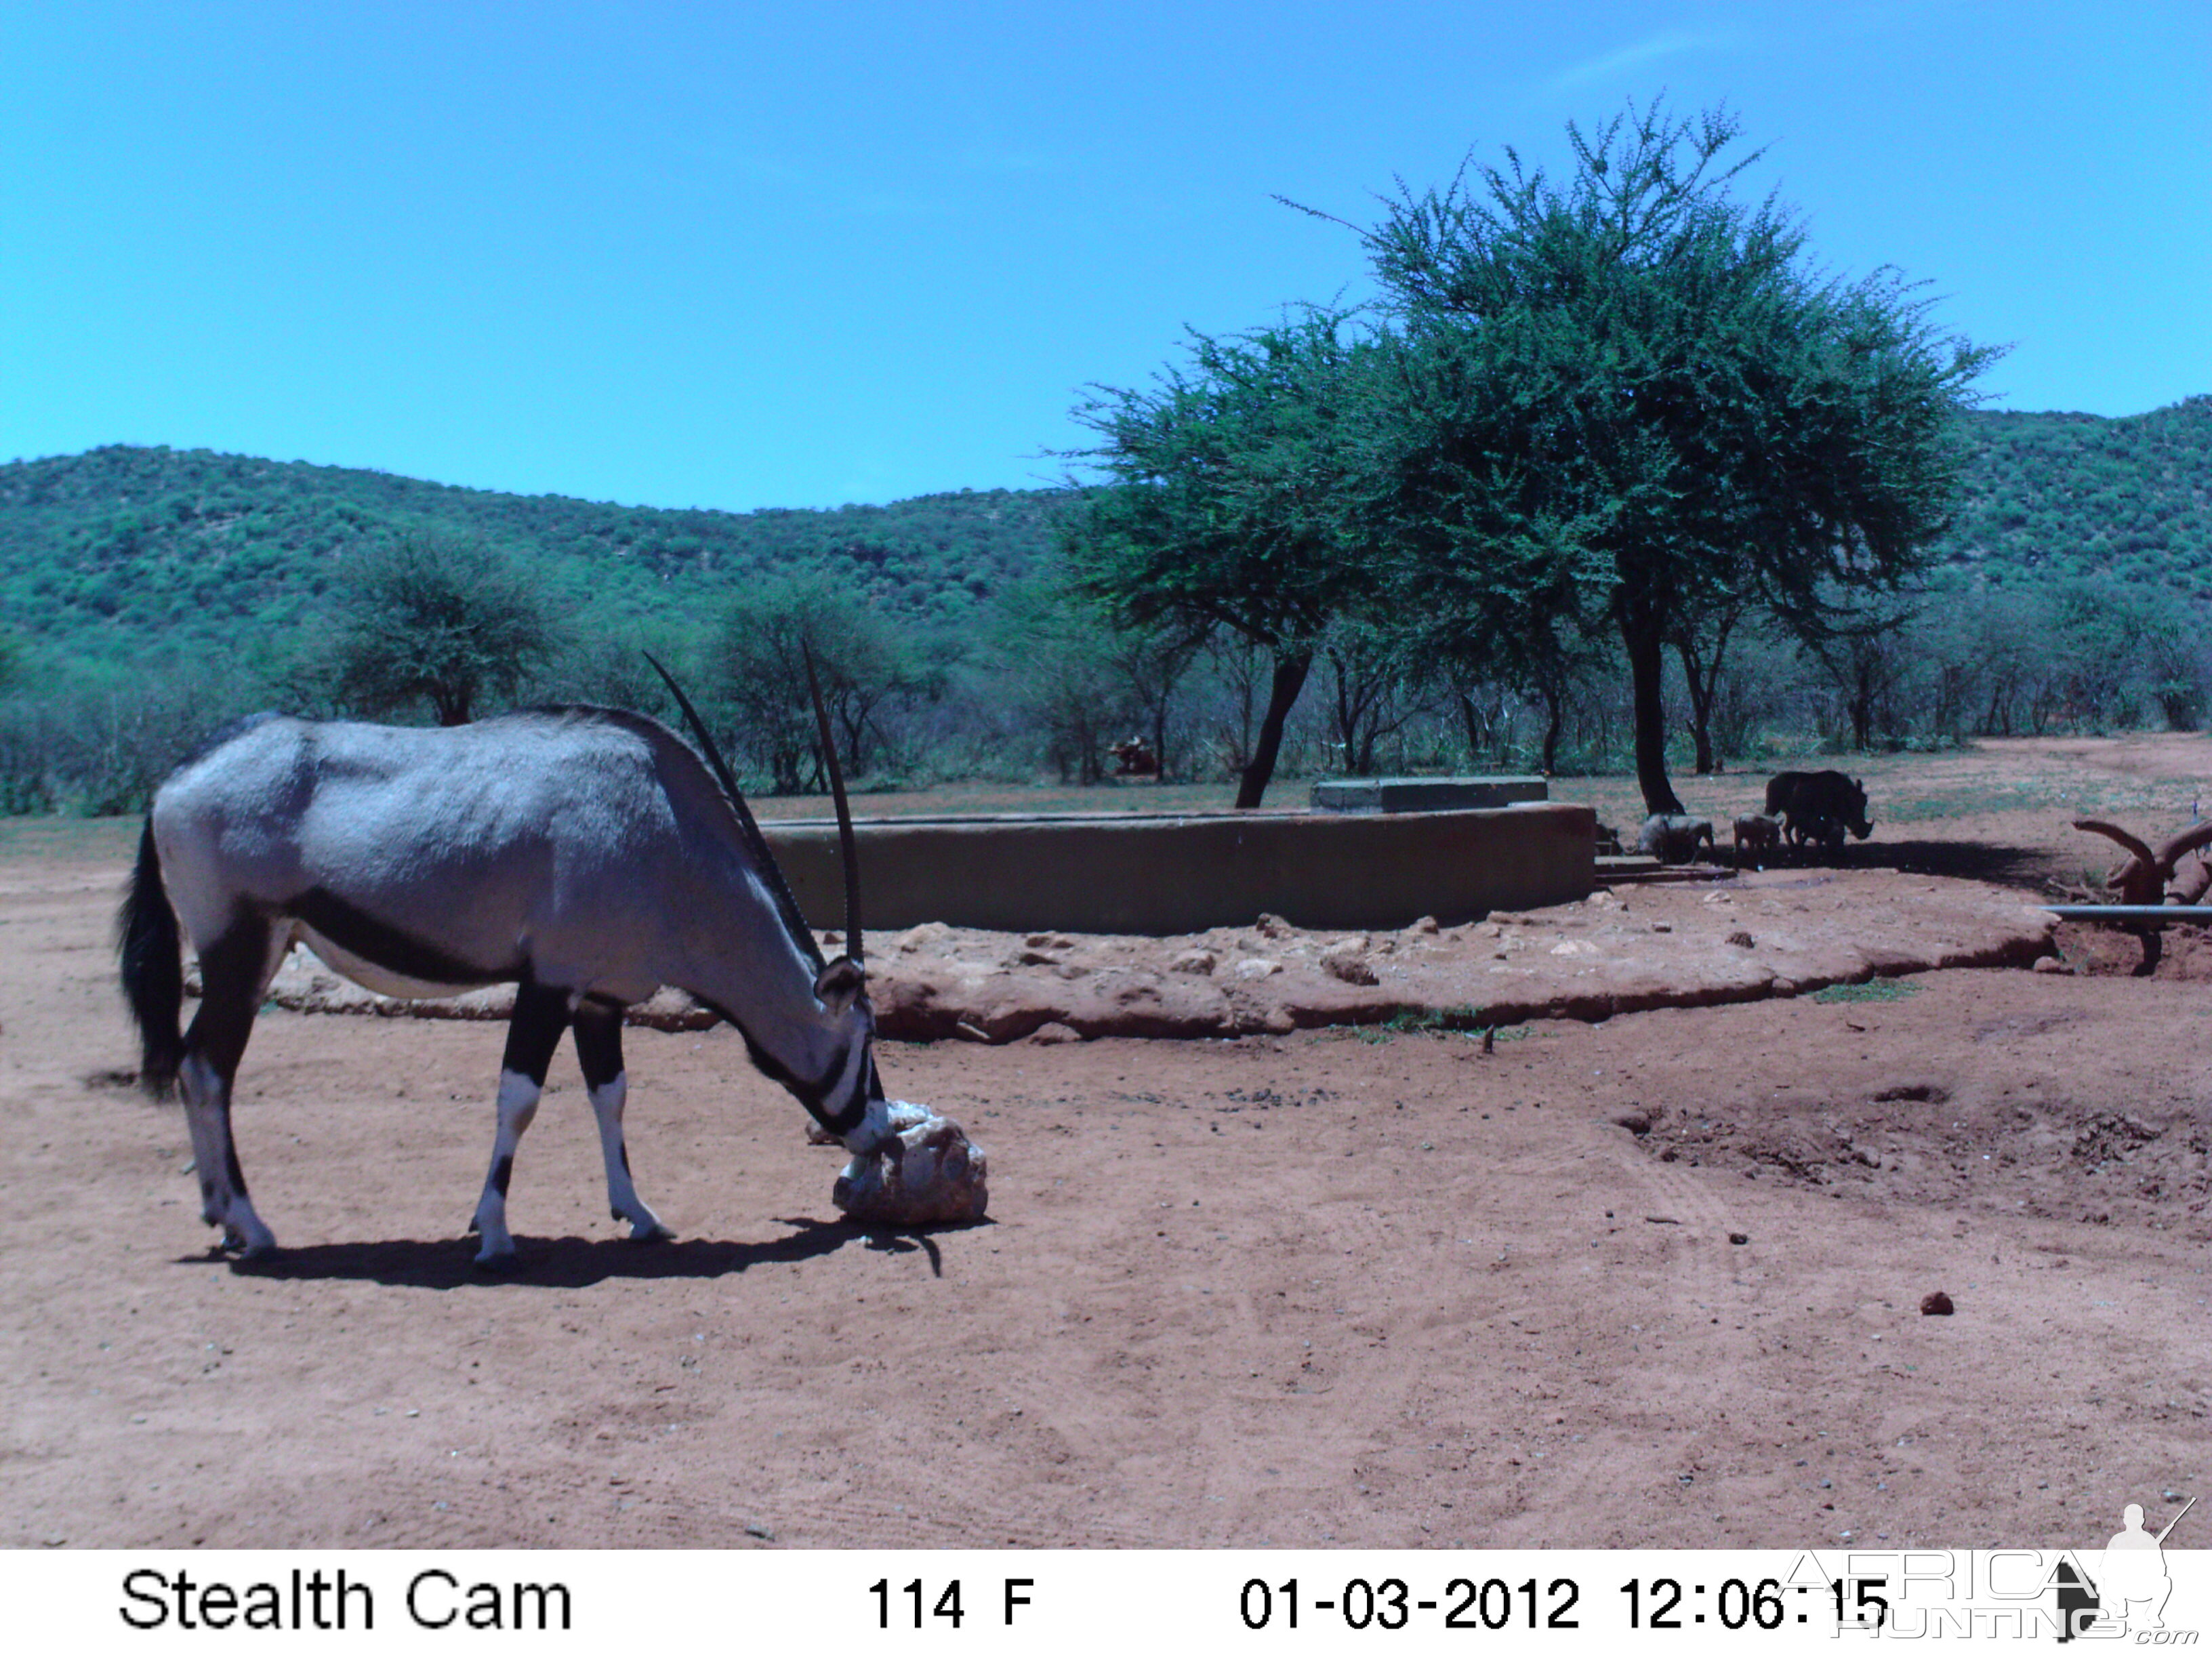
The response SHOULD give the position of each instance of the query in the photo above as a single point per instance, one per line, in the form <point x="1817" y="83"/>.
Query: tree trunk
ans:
<point x="1703" y="675"/>
<point x="1554" y="716"/>
<point x="1091" y="769"/>
<point x="1353" y="704"/>
<point x="783" y="764"/>
<point x="1288" y="680"/>
<point x="852" y="714"/>
<point x="1475" y="735"/>
<point x="1861" y="709"/>
<point x="1647" y="665"/>
<point x="1701" y="703"/>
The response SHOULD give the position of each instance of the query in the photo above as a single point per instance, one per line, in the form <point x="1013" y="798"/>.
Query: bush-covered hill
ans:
<point x="2054" y="496"/>
<point x="105" y="554"/>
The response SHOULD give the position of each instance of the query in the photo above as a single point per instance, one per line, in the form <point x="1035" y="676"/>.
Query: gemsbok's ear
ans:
<point x="840" y="983"/>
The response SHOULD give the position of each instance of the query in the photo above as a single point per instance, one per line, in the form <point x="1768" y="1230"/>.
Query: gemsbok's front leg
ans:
<point x="234" y="970"/>
<point x="541" y="1014"/>
<point x="598" y="1050"/>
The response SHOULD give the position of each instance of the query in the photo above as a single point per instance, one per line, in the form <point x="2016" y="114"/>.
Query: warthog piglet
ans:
<point x="1674" y="840"/>
<point x="1756" y="834"/>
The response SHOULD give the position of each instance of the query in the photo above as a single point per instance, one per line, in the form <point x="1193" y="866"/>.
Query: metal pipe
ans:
<point x="2198" y="913"/>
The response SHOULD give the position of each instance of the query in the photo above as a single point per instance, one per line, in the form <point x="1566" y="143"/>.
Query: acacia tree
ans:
<point x="1484" y="579"/>
<point x="1862" y="647"/>
<point x="760" y="656"/>
<point x="1637" y="373"/>
<point x="1060" y="652"/>
<point x="431" y="616"/>
<point x="1232" y="501"/>
<point x="1152" y="663"/>
<point x="1700" y="637"/>
<point x="1373" y="671"/>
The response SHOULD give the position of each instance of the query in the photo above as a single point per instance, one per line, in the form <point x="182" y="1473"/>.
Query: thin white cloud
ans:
<point x="1615" y="63"/>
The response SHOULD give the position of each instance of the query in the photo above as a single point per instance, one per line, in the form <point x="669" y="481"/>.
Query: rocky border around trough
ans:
<point x="1770" y="934"/>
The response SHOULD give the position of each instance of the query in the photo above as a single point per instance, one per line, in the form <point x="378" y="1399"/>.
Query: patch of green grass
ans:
<point x="1462" y="1020"/>
<point x="1459" y="1017"/>
<point x="1874" y="990"/>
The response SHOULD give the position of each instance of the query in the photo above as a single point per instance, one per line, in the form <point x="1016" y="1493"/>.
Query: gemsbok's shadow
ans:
<point x="445" y="1264"/>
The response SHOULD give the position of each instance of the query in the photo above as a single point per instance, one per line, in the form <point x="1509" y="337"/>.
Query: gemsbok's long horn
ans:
<point x="847" y="850"/>
<point x="748" y="826"/>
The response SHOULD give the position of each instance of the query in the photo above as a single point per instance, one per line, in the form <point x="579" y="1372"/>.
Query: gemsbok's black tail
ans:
<point x="147" y="939"/>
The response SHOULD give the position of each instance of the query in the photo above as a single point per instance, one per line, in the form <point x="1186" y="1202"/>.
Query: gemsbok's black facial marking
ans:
<point x="812" y="1094"/>
<point x="355" y="931"/>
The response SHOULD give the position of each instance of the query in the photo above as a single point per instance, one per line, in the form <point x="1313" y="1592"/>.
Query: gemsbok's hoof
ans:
<point x="504" y="1262"/>
<point x="653" y="1233"/>
<point x="248" y="1247"/>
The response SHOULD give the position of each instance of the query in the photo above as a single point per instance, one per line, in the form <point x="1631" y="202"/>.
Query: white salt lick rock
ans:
<point x="932" y="1175"/>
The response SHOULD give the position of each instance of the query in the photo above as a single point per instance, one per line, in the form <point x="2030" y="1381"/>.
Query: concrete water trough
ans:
<point x="1164" y="875"/>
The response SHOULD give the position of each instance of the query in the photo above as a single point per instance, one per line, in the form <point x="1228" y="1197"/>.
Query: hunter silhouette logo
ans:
<point x="2131" y="1584"/>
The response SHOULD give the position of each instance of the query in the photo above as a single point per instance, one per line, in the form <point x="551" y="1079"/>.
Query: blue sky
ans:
<point x="744" y="256"/>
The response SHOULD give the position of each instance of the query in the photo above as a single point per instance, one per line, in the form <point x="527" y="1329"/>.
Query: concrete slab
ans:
<point x="1426" y="794"/>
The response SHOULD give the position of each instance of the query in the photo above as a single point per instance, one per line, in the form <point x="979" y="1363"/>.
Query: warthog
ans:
<point x="1756" y="834"/>
<point x="1674" y="840"/>
<point x="1818" y="806"/>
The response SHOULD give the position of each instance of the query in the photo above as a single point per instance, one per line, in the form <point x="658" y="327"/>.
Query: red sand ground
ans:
<point x="1327" y="1287"/>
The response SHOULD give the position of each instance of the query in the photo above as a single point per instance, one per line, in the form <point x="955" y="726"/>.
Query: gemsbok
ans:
<point x="585" y="854"/>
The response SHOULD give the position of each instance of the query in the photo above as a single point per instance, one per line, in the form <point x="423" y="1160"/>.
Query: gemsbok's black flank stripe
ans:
<point x="357" y="932"/>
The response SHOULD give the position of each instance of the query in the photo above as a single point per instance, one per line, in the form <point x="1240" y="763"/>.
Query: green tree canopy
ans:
<point x="1628" y="395"/>
<point x="760" y="656"/>
<point x="1235" y="485"/>
<point x="432" y="617"/>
